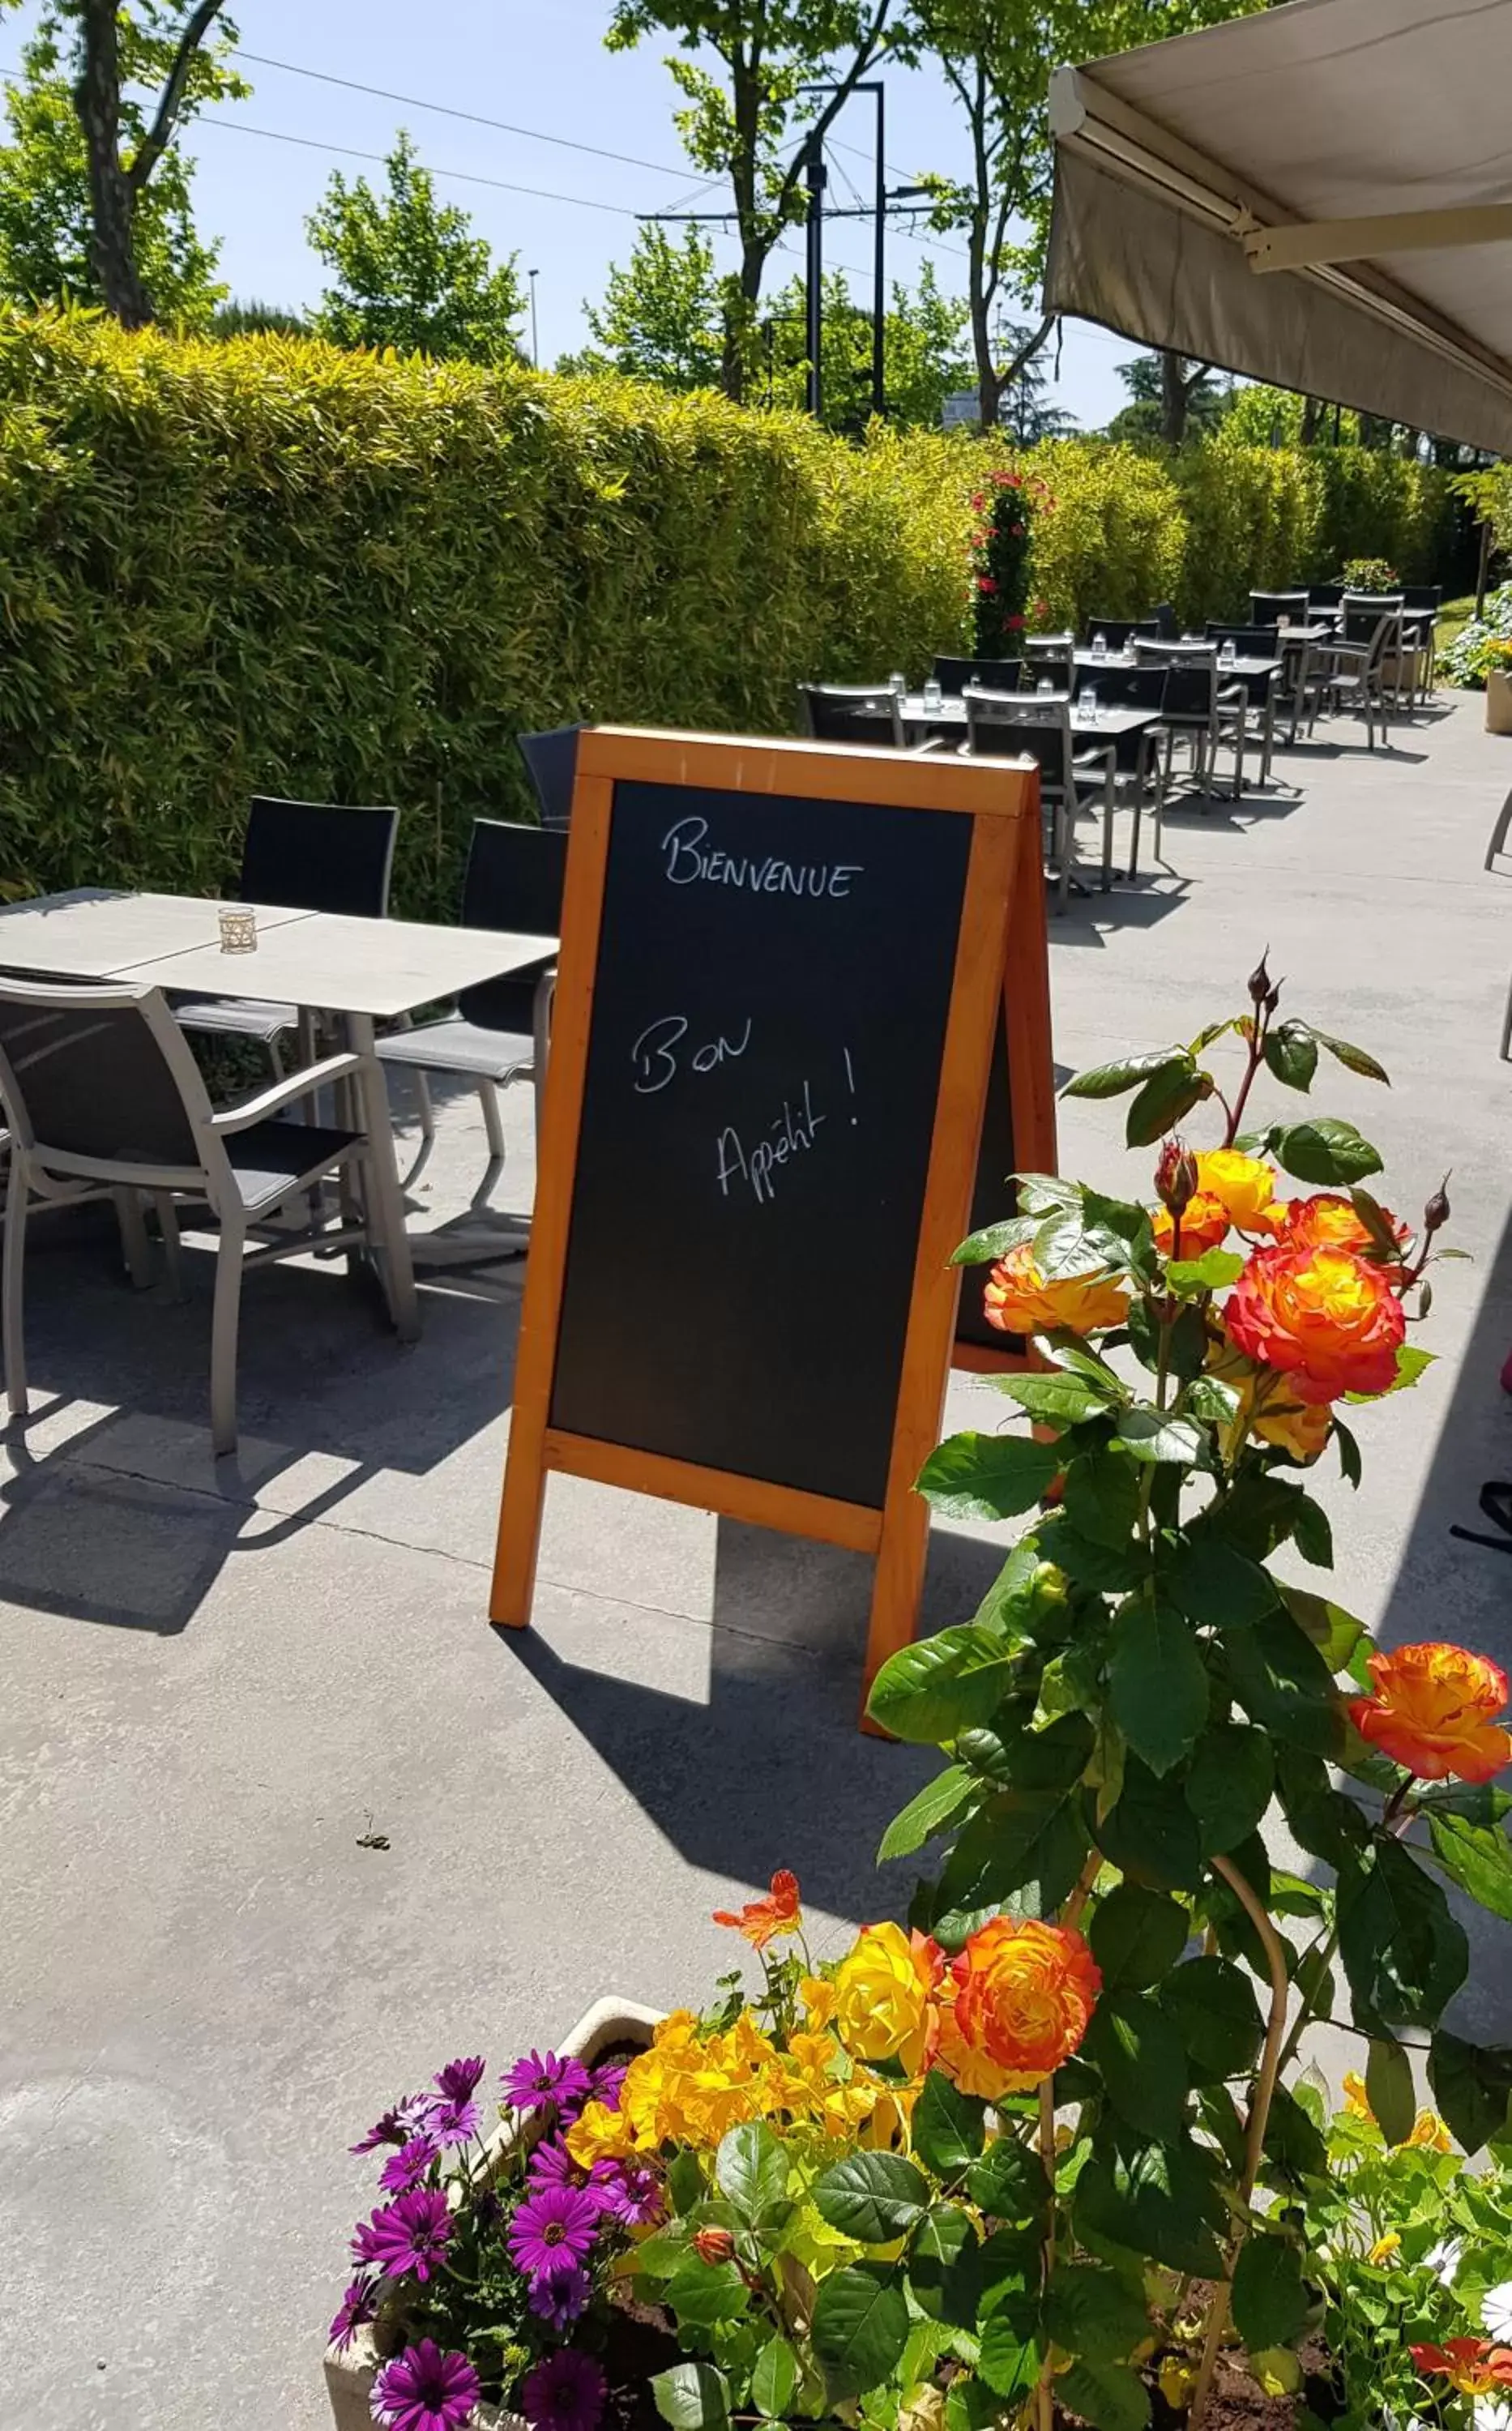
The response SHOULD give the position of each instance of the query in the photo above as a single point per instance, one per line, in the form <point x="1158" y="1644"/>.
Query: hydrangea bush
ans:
<point x="1147" y="1694"/>
<point x="1485" y="642"/>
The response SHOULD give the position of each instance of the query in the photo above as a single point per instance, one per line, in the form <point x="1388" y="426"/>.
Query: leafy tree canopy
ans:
<point x="408" y="272"/>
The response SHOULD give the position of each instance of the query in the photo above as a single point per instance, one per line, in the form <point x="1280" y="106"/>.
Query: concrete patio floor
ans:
<point x="220" y="1681"/>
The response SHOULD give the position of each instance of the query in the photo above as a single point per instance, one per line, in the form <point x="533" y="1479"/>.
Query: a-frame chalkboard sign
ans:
<point x="787" y="975"/>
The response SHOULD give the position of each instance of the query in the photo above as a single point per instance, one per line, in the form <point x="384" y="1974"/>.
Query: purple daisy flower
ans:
<point x="451" y="2121"/>
<point x="359" y="2306"/>
<point x="565" y="2392"/>
<point x="554" y="2226"/>
<point x="561" y="2296"/>
<point x="605" y="2084"/>
<point x="552" y="2165"/>
<point x="396" y="2126"/>
<point x="407" y="2168"/>
<point x="541" y="2077"/>
<point x="424" y="2390"/>
<point x="635" y="2198"/>
<point x="408" y="2237"/>
<point x="460" y="2079"/>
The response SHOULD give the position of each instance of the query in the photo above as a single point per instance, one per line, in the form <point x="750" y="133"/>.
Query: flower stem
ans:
<point x="1265" y="2088"/>
<point x="1258" y="1056"/>
<point x="1044" y="2393"/>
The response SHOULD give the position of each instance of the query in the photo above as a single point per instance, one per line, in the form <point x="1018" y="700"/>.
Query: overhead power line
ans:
<point x="468" y="176"/>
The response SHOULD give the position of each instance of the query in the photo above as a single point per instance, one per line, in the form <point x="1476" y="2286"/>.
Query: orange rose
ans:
<point x="1024" y="1993"/>
<point x="1244" y="1186"/>
<point x="1435" y="1710"/>
<point x="1472" y="2365"/>
<point x="763" y="1921"/>
<point x="1204" y="1225"/>
<point x="1019" y="1299"/>
<point x="1328" y="1221"/>
<point x="1302" y="1430"/>
<point x="1324" y="1319"/>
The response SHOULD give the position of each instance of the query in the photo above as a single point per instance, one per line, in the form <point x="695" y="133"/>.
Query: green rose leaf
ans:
<point x="1062" y="1399"/>
<point x="1229" y="1783"/>
<point x="1312" y="1534"/>
<point x="692" y="2397"/>
<point x="949" y="2126"/>
<point x="1412" y="1361"/>
<point x="1389" y="2089"/>
<point x="1291" y="1054"/>
<point x="1023" y="1839"/>
<point x="1185" y="1342"/>
<point x="1213" y="1271"/>
<point x="1335" y="1632"/>
<point x="1213" y="2007"/>
<point x="1009" y="2183"/>
<point x="1323" y="1820"/>
<point x="1323" y="1149"/>
<point x="1011" y="2353"/>
<point x="994" y="1241"/>
<point x="1107" y="2394"/>
<point x="750" y="2169"/>
<point x="1284" y="1683"/>
<point x="1163" y="1099"/>
<point x="1155" y="1435"/>
<point x="1472" y="2087"/>
<point x="684" y="2183"/>
<point x="1351" y="1467"/>
<point x="987" y="1477"/>
<point x="872" y="2197"/>
<point x="944" y="2266"/>
<point x="1142" y="2061"/>
<point x="705" y="2293"/>
<point x="1293" y="2141"/>
<point x="1403" y="1953"/>
<point x="1093" y="2314"/>
<point x="939" y="1803"/>
<point x="1158" y="1683"/>
<point x="1476" y="1856"/>
<point x="1353" y="1059"/>
<point x="861" y="2325"/>
<point x="1137" y="1936"/>
<point x="1215" y="1585"/>
<point x="1479" y="1801"/>
<point x="1116" y="1080"/>
<point x="774" y="2379"/>
<point x="1269" y="2300"/>
<point x="1159" y="2200"/>
<point x="933" y="1689"/>
<point x="1102" y="1498"/>
<point x="1151" y="1831"/>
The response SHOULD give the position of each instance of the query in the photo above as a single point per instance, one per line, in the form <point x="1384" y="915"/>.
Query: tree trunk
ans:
<point x="97" y="99"/>
<point x="1314" y="412"/>
<point x="1173" y="395"/>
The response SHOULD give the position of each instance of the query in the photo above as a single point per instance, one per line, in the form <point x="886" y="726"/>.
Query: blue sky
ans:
<point x="541" y="65"/>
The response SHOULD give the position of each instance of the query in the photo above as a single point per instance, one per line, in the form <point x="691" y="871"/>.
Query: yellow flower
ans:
<point x="1244" y="1186"/>
<point x="818" y="2001"/>
<point x="1384" y="2247"/>
<point x="1356" y="2101"/>
<point x="1429" y="2130"/>
<point x="1017" y="1299"/>
<point x="1177" y="2382"/>
<point x="599" y="2133"/>
<point x="884" y="1996"/>
<point x="1300" y="1429"/>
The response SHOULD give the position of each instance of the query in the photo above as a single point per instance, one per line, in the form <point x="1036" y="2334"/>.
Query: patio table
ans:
<point x="1108" y="725"/>
<point x="360" y="971"/>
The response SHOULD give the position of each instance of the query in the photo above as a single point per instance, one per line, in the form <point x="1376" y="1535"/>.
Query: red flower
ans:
<point x="1014" y="481"/>
<point x="1015" y="531"/>
<point x="1014" y="624"/>
<point x="1041" y="607"/>
<point x="762" y="1921"/>
<point x="978" y="501"/>
<point x="986" y="582"/>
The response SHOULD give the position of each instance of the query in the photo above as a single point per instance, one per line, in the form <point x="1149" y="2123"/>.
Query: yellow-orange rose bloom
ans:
<point x="1017" y="1299"/>
<point x="1024" y="1994"/>
<point x="1244" y="1186"/>
<point x="1204" y="1225"/>
<point x="1328" y="1221"/>
<point x="884" y="1996"/>
<point x="1324" y="1319"/>
<point x="1303" y="1431"/>
<point x="1435" y="1710"/>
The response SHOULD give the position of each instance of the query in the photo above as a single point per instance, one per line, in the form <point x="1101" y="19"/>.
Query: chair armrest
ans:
<point x="286" y="1093"/>
<point x="1098" y="759"/>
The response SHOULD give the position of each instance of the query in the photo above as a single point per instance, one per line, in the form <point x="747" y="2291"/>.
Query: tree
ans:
<point x="922" y="335"/>
<point x="410" y="274"/>
<point x="94" y="193"/>
<point x="997" y="56"/>
<point x="1023" y="407"/>
<point x="769" y="51"/>
<point x="250" y="316"/>
<point x="660" y="319"/>
<point x="1173" y="398"/>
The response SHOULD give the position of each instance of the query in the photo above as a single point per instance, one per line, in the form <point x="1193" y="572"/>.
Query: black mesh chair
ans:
<point x="1137" y="760"/>
<point x="1352" y="671"/>
<point x="1201" y="709"/>
<point x="998" y="675"/>
<point x="1037" y="726"/>
<point x="311" y="857"/>
<point x="1053" y="655"/>
<point x="551" y="763"/>
<point x="1325" y="595"/>
<point x="1421" y="603"/>
<point x="853" y="713"/>
<point x="99" y="1084"/>
<point x="1118" y="631"/>
<point x="1261" y="690"/>
<point x="1268" y="607"/>
<point x="501" y="1030"/>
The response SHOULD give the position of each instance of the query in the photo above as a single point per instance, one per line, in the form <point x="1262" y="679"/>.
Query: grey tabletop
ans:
<point x="1087" y="662"/>
<point x="335" y="964"/>
<point x="92" y="932"/>
<point x="1108" y="723"/>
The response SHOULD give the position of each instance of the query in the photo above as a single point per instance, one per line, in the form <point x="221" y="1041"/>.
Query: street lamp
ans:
<point x="535" y="346"/>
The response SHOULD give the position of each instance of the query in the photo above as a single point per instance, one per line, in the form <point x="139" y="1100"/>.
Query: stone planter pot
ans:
<point x="349" y="2376"/>
<point x="1498" y="703"/>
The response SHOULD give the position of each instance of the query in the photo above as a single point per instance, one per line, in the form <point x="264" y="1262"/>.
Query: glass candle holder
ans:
<point x="239" y="928"/>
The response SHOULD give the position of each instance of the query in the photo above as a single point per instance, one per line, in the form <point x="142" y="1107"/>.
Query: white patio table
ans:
<point x="358" y="972"/>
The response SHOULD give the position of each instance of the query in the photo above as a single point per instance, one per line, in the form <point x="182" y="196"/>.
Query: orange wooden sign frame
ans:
<point x="1000" y="969"/>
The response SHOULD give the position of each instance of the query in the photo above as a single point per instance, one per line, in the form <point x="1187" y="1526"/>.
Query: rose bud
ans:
<point x="714" y="2245"/>
<point x="1273" y="998"/>
<point x="1176" y="1176"/>
<point x="1436" y="1214"/>
<point x="1260" y="982"/>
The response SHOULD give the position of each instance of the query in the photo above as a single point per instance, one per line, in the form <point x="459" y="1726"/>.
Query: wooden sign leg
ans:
<point x="519" y="1520"/>
<point x="896" y="1590"/>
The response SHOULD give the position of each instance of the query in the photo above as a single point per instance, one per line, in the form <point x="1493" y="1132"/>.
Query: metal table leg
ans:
<point x="391" y="1249"/>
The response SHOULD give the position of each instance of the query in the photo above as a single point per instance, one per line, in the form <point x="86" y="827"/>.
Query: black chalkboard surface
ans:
<point x="773" y="981"/>
<point x="991" y="1201"/>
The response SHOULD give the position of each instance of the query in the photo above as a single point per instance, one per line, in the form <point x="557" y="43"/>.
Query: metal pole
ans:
<point x="1483" y="571"/>
<point x="535" y="344"/>
<point x="813" y="164"/>
<point x="879" y="308"/>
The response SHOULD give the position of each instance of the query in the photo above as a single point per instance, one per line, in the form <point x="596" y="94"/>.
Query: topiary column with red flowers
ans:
<point x="1002" y="546"/>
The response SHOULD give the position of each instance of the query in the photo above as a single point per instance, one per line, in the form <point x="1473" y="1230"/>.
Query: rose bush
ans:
<point x="1144" y="1692"/>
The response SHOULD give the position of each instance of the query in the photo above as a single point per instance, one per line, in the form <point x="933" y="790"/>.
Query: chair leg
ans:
<point x="1506" y="1027"/>
<point x="135" y="1246"/>
<point x="12" y="1269"/>
<point x="224" y="1325"/>
<point x="1499" y="834"/>
<point x="494" y="1126"/>
<point x="172" y="1243"/>
<point x="1107" y="832"/>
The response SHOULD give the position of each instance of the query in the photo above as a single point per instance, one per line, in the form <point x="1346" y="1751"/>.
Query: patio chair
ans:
<point x="501" y="1030"/>
<point x="100" y="1086"/>
<point x="1268" y="607"/>
<point x="853" y="713"/>
<point x="309" y="857"/>
<point x="1037" y="726"/>
<point x="1138" y="767"/>
<point x="1325" y="595"/>
<point x="551" y="763"/>
<point x="1118" y="631"/>
<point x="997" y="675"/>
<point x="1420" y="604"/>
<point x="1350" y="670"/>
<point x="1201" y="709"/>
<point x="1261" y="690"/>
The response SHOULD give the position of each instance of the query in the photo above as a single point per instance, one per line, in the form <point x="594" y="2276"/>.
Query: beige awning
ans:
<point x="1209" y="192"/>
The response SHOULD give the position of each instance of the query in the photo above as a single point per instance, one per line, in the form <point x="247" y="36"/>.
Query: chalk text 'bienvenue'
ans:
<point x="688" y="863"/>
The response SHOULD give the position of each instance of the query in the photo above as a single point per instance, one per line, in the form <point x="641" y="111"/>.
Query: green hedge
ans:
<point x="267" y="565"/>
